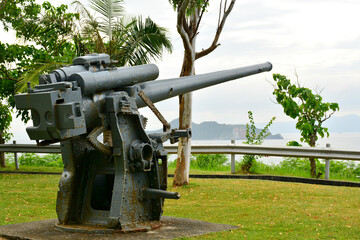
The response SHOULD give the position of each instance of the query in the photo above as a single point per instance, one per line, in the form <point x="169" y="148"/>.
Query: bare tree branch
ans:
<point x="326" y="118"/>
<point x="8" y="77"/>
<point x="181" y="22"/>
<point x="195" y="32"/>
<point x="220" y="7"/>
<point x="215" y="43"/>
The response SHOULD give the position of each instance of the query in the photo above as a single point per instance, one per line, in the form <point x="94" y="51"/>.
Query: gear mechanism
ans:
<point x="93" y="140"/>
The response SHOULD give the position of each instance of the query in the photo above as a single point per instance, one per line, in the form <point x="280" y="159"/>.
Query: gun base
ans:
<point x="143" y="227"/>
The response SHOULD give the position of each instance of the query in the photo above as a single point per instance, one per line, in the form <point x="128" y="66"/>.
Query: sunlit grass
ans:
<point x="23" y="168"/>
<point x="271" y="210"/>
<point x="25" y="198"/>
<point x="261" y="209"/>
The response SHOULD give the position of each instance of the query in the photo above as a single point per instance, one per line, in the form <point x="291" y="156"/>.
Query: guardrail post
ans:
<point x="16" y="158"/>
<point x="327" y="165"/>
<point x="233" y="159"/>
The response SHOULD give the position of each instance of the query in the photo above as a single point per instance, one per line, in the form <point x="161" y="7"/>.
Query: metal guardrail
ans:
<point x="304" y="152"/>
<point x="29" y="148"/>
<point x="232" y="149"/>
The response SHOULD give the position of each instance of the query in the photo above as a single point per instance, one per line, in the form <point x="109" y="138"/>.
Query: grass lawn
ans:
<point x="32" y="169"/>
<point x="261" y="209"/>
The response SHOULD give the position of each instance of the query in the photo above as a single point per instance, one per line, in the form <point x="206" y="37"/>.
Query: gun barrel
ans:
<point x="91" y="82"/>
<point x="160" y="90"/>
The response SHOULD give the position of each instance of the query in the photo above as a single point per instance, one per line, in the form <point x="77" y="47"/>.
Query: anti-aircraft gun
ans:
<point x="120" y="184"/>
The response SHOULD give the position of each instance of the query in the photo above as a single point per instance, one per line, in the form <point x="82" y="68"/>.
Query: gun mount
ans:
<point x="121" y="184"/>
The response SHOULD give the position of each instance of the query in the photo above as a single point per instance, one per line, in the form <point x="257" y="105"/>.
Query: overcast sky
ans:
<point x="320" y="40"/>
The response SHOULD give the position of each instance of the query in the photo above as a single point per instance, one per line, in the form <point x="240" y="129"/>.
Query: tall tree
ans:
<point x="129" y="41"/>
<point x="189" y="16"/>
<point x="53" y="36"/>
<point x="307" y="108"/>
<point x="5" y="118"/>
<point x="44" y="25"/>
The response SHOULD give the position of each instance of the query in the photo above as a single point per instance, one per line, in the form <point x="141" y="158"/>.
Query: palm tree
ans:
<point x="127" y="41"/>
<point x="107" y="30"/>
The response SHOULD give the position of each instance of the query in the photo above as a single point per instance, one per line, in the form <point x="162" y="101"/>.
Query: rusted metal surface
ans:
<point x="157" y="113"/>
<point x="150" y="226"/>
<point x="121" y="185"/>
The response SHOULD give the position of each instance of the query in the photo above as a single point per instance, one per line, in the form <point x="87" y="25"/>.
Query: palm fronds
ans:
<point x="109" y="11"/>
<point x="34" y="71"/>
<point x="138" y="42"/>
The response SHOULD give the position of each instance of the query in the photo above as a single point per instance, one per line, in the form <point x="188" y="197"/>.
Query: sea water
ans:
<point x="347" y="140"/>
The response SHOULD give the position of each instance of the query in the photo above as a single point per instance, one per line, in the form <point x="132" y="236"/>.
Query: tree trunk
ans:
<point x="2" y="154"/>
<point x="312" y="160"/>
<point x="312" y="167"/>
<point x="188" y="30"/>
<point x="181" y="176"/>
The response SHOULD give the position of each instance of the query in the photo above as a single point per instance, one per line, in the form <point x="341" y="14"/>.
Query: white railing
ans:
<point x="326" y="153"/>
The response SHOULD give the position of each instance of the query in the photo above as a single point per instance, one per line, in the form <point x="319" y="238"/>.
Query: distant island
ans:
<point x="211" y="130"/>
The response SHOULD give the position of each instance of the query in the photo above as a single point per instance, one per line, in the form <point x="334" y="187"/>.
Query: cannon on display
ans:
<point x="119" y="183"/>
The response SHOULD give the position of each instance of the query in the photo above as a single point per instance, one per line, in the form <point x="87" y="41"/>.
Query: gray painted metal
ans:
<point x="16" y="158"/>
<point x="163" y="89"/>
<point x="120" y="184"/>
<point x="327" y="165"/>
<point x="305" y="152"/>
<point x="29" y="148"/>
<point x="232" y="159"/>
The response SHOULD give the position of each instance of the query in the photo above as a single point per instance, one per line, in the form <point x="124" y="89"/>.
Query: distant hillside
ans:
<point x="348" y="123"/>
<point x="215" y="131"/>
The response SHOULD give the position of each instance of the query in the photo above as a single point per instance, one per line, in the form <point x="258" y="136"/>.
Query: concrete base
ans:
<point x="172" y="227"/>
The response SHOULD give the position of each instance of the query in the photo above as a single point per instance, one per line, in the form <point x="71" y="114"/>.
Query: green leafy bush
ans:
<point x="172" y="164"/>
<point x="49" y="160"/>
<point x="9" y="158"/>
<point x="248" y="164"/>
<point x="209" y="161"/>
<point x="206" y="162"/>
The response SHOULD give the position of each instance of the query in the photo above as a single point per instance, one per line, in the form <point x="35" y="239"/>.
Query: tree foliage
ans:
<point x="52" y="37"/>
<point x="128" y="41"/>
<point x="307" y="108"/>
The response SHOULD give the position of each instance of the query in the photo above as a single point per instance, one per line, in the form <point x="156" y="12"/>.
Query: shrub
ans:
<point x="209" y="161"/>
<point x="206" y="162"/>
<point x="49" y="160"/>
<point x="249" y="163"/>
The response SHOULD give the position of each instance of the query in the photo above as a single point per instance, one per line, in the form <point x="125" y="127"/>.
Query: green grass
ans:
<point x="271" y="210"/>
<point x="23" y="168"/>
<point x="261" y="209"/>
<point x="306" y="174"/>
<point x="276" y="171"/>
<point x="25" y="198"/>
